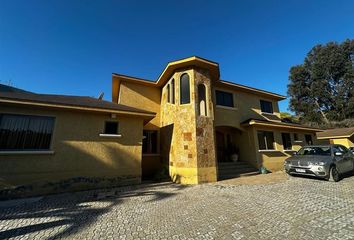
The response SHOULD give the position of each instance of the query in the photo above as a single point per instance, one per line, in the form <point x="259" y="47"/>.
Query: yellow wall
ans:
<point x="347" y="142"/>
<point x="142" y="97"/>
<point x="274" y="160"/>
<point x="246" y="106"/>
<point x="81" y="158"/>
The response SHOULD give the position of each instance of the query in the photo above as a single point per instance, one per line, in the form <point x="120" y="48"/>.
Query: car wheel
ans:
<point x="334" y="174"/>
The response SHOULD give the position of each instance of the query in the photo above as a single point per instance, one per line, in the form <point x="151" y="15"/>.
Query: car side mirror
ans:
<point x="294" y="153"/>
<point x="338" y="154"/>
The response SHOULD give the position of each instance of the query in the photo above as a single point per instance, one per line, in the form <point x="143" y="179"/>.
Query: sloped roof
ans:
<point x="277" y="124"/>
<point x="182" y="63"/>
<point x="11" y="89"/>
<point x="336" y="133"/>
<point x="19" y="96"/>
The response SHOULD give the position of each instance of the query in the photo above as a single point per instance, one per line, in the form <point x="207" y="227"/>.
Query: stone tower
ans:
<point x="187" y="127"/>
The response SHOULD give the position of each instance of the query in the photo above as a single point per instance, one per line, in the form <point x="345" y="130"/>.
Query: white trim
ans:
<point x="110" y="135"/>
<point x="26" y="152"/>
<point x="226" y="107"/>
<point x="298" y="141"/>
<point x="266" y="113"/>
<point x="268" y="150"/>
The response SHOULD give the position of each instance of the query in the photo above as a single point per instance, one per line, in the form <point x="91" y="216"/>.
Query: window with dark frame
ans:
<point x="286" y="141"/>
<point x="150" y="142"/>
<point x="265" y="140"/>
<point x="266" y="106"/>
<point x="173" y="91"/>
<point x="111" y="128"/>
<point x="184" y="89"/>
<point x="308" y="139"/>
<point x="224" y="98"/>
<point x="168" y="93"/>
<point x="25" y="132"/>
<point x="202" y="106"/>
<point x="296" y="137"/>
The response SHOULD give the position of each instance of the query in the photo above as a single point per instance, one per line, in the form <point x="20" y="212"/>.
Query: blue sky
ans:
<point x="72" y="47"/>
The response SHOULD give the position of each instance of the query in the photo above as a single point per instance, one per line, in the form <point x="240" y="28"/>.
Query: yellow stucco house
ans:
<point x="56" y="143"/>
<point x="343" y="136"/>
<point x="189" y="120"/>
<point x="203" y="121"/>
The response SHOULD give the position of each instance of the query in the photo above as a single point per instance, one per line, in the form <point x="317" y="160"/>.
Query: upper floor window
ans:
<point x="168" y="93"/>
<point x="224" y="98"/>
<point x="184" y="89"/>
<point x="265" y="140"/>
<point x="23" y="132"/>
<point x="202" y="100"/>
<point x="286" y="141"/>
<point x="296" y="137"/>
<point x="173" y="91"/>
<point x="266" y="106"/>
<point x="149" y="142"/>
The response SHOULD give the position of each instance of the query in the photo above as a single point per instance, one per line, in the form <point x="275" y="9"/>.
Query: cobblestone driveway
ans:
<point x="298" y="208"/>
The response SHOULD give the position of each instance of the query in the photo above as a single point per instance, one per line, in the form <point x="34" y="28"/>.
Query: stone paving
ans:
<point x="298" y="208"/>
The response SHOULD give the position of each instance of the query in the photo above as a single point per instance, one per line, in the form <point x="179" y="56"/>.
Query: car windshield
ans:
<point x="322" y="151"/>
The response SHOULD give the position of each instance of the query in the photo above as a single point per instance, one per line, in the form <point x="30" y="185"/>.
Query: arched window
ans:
<point x="173" y="91"/>
<point x="168" y="93"/>
<point x="202" y="100"/>
<point x="184" y="89"/>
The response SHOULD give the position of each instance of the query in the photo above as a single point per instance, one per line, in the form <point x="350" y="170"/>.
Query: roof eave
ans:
<point x="335" y="137"/>
<point x="280" y="125"/>
<point x="253" y="90"/>
<point x="80" y="108"/>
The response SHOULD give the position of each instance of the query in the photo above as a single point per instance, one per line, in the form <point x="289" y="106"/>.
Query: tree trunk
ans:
<point x="322" y="113"/>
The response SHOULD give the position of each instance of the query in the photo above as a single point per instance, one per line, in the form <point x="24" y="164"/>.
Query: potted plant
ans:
<point x="234" y="151"/>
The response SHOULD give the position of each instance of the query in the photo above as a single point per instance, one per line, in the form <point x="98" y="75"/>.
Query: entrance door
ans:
<point x="220" y="146"/>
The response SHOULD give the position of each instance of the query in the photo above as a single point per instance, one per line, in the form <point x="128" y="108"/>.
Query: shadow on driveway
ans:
<point x="75" y="211"/>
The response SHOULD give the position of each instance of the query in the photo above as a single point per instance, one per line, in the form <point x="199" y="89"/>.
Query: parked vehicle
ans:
<point x="327" y="161"/>
<point x="351" y="149"/>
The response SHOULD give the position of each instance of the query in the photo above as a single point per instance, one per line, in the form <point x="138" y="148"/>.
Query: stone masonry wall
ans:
<point x="187" y="140"/>
<point x="178" y="133"/>
<point x="206" y="159"/>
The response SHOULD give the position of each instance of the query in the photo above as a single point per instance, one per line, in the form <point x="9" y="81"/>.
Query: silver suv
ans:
<point x="351" y="149"/>
<point x="325" y="161"/>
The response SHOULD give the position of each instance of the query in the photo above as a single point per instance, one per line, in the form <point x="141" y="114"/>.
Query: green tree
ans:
<point x="321" y="89"/>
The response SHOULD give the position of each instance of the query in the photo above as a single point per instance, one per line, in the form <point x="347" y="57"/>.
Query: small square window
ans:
<point x="266" y="107"/>
<point x="111" y="128"/>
